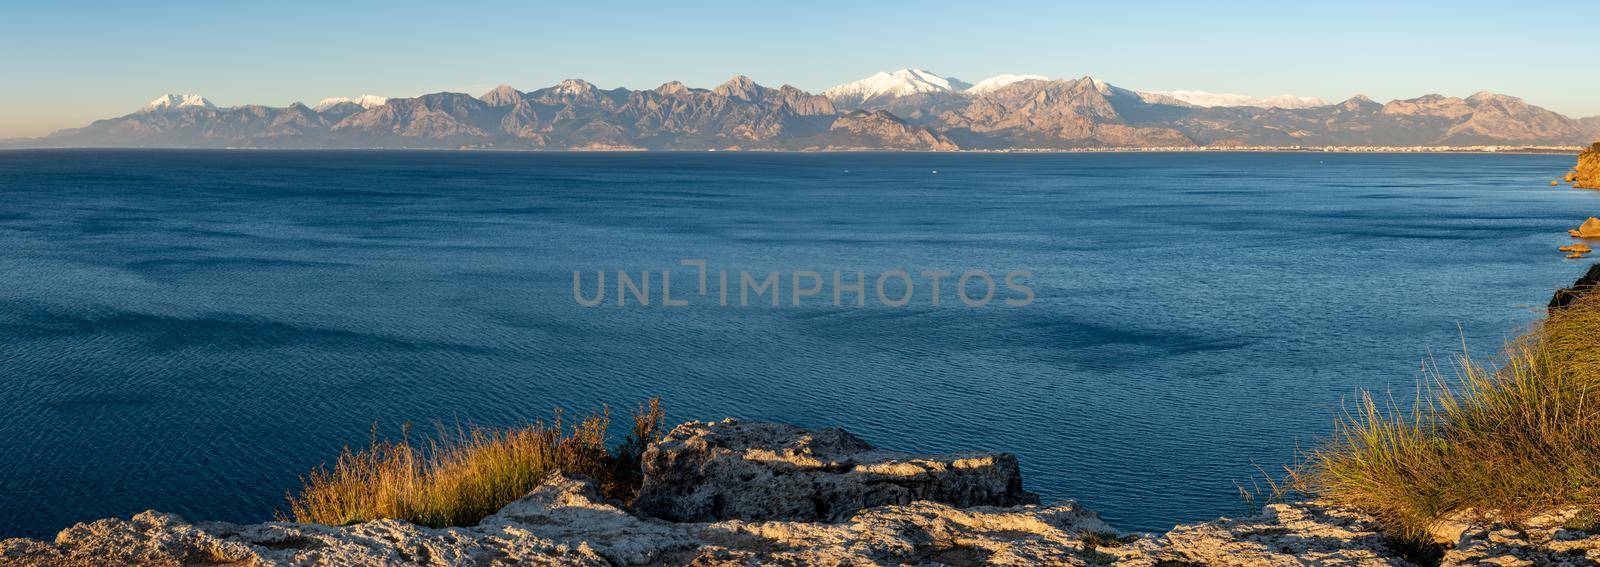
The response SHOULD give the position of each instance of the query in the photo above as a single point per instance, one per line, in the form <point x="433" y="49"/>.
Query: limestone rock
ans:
<point x="705" y="471"/>
<point x="1547" y="539"/>
<point x="1284" y="534"/>
<point x="1589" y="229"/>
<point x="565" y="522"/>
<point x="1586" y="174"/>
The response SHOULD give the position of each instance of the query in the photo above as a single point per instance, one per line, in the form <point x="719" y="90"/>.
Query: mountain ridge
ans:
<point x="1210" y="99"/>
<point x="909" y="109"/>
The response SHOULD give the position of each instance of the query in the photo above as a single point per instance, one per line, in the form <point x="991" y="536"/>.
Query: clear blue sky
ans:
<point x="66" y="62"/>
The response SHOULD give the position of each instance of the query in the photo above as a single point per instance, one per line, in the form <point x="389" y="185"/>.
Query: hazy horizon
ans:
<point x="73" y="62"/>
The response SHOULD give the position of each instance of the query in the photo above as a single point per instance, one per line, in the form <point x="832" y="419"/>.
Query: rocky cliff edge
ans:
<point x="763" y="494"/>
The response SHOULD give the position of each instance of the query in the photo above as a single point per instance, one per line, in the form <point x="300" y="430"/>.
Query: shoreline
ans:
<point x="735" y="493"/>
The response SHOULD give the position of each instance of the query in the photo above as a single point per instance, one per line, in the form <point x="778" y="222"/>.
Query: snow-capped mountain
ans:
<point x="1003" y="112"/>
<point x="905" y="82"/>
<point x="882" y="89"/>
<point x="364" y="101"/>
<point x="1210" y="99"/>
<point x="174" y="101"/>
<point x="997" y="81"/>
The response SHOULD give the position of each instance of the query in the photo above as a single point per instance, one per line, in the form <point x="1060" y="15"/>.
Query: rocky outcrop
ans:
<point x="1555" y="539"/>
<point x="705" y="471"/>
<point x="1283" y="534"/>
<point x="1586" y="175"/>
<point x="1317" y="533"/>
<point x="1585" y="284"/>
<point x="567" y="522"/>
<point x="1589" y="229"/>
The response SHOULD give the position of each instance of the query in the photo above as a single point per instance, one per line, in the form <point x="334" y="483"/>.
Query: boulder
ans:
<point x="730" y="469"/>
<point x="1589" y="229"/>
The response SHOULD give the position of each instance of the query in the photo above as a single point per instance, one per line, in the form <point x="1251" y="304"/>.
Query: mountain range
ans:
<point x="908" y="109"/>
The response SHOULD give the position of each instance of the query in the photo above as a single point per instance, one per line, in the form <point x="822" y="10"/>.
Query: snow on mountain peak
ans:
<point x="1210" y="99"/>
<point x="1102" y="87"/>
<point x="997" y="81"/>
<point x="904" y="82"/>
<point x="174" y="101"/>
<point x="574" y="87"/>
<point x="364" y="101"/>
<point x="1292" y="101"/>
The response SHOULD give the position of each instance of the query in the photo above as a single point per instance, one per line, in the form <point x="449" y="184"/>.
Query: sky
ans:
<point x="64" y="63"/>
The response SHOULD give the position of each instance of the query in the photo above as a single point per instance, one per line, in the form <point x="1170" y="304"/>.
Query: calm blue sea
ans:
<point x="190" y="331"/>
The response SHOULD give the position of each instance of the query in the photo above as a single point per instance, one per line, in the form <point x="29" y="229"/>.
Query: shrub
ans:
<point x="459" y="477"/>
<point x="1511" y="438"/>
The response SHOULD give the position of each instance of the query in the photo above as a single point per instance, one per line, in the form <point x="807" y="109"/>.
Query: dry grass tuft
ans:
<point x="1511" y="438"/>
<point x="459" y="477"/>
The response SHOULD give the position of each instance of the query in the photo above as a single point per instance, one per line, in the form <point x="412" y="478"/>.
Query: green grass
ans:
<point x="1507" y="439"/>
<point x="1587" y="521"/>
<point x="459" y="477"/>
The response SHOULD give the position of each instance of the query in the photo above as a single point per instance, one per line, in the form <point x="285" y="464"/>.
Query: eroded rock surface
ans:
<point x="730" y="469"/>
<point x="1283" y="534"/>
<point x="567" y="522"/>
<point x="1318" y="533"/>
<point x="1586" y="175"/>
<point x="1558" y="538"/>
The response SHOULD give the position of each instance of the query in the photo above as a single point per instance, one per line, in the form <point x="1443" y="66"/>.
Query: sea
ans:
<point x="1152" y="334"/>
